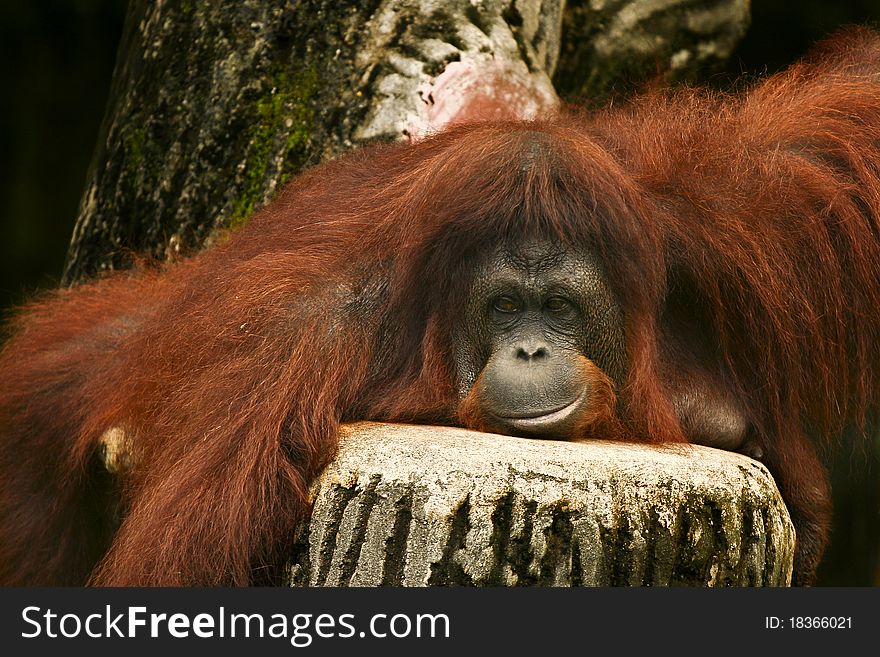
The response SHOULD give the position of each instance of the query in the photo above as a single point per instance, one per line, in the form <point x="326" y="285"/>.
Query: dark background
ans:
<point x="56" y="62"/>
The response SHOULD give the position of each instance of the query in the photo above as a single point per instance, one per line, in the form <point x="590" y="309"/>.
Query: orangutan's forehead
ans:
<point x="541" y="262"/>
<point x="537" y="256"/>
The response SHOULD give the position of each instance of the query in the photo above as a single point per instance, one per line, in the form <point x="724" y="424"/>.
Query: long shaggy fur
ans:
<point x="755" y="216"/>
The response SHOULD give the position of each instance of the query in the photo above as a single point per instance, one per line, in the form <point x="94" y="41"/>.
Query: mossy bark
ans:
<point x="213" y="105"/>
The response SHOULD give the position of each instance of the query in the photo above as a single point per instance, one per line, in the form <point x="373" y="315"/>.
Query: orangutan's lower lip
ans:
<point x="544" y="419"/>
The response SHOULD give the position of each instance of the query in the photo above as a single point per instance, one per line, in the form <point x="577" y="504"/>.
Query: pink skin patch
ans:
<point x="482" y="89"/>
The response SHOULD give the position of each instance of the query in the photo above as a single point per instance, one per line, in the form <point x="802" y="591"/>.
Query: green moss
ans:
<point x="284" y="120"/>
<point x="133" y="143"/>
<point x="133" y="158"/>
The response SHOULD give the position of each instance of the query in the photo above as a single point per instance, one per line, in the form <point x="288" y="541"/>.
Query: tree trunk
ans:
<point x="610" y="47"/>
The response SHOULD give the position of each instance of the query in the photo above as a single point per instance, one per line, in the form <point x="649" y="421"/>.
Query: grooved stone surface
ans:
<point x="423" y="505"/>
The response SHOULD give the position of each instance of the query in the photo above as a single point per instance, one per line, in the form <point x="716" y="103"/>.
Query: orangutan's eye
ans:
<point x="506" y="305"/>
<point x="557" y="305"/>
